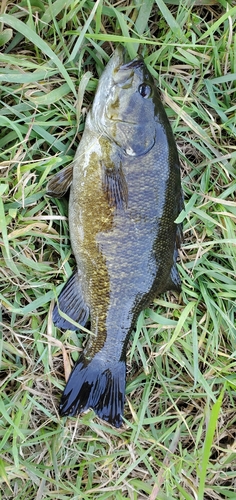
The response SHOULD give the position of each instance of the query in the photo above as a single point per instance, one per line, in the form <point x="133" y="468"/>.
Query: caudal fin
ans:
<point x="96" y="384"/>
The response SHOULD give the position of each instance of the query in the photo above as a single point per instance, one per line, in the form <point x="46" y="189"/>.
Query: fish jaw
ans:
<point x="106" y="80"/>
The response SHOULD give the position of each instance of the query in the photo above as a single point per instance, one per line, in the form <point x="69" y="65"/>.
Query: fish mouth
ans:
<point x="122" y="77"/>
<point x="136" y="63"/>
<point x="124" y="65"/>
<point x="121" y="61"/>
<point x="123" y="72"/>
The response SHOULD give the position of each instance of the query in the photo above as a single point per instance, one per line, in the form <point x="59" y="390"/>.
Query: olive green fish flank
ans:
<point x="125" y="196"/>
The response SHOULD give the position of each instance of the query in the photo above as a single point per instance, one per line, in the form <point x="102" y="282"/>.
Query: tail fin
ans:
<point x="98" y="385"/>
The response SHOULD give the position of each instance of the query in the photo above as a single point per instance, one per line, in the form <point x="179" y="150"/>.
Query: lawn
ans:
<point x="179" y="434"/>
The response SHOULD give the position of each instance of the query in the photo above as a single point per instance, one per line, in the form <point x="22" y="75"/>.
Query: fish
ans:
<point x="125" y="195"/>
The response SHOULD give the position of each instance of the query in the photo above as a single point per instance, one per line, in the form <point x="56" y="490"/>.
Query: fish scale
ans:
<point x="125" y="195"/>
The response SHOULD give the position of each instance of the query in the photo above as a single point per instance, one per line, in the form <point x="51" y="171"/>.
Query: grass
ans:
<point x="179" y="435"/>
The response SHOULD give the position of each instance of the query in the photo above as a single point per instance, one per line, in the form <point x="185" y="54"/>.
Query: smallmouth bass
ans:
<point x="125" y="195"/>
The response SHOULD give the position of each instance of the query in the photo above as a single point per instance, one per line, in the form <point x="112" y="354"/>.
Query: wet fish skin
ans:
<point x="124" y="198"/>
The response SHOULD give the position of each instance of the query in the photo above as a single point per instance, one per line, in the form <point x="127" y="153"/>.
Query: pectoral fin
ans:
<point x="174" y="282"/>
<point x="115" y="186"/>
<point x="179" y="233"/>
<point x="71" y="303"/>
<point x="179" y="236"/>
<point x="60" y="183"/>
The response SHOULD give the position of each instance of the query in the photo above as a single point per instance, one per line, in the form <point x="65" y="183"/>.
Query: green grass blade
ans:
<point x="211" y="429"/>
<point x="84" y="31"/>
<point x="28" y="33"/>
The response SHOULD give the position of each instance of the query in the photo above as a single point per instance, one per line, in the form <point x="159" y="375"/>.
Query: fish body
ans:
<point x="124" y="198"/>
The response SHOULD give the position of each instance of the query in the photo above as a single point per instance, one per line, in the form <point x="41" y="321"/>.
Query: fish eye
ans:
<point x="145" y="90"/>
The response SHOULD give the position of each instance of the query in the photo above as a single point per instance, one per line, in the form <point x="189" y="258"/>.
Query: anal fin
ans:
<point x="71" y="303"/>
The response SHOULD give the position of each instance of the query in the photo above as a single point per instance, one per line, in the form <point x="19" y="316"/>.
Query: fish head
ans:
<point x="124" y="105"/>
